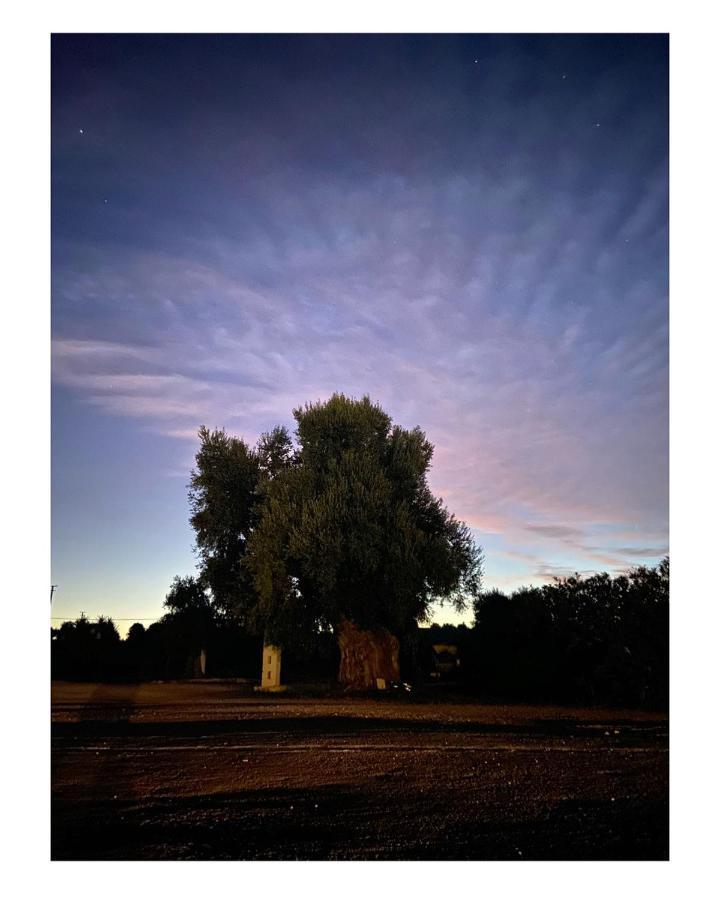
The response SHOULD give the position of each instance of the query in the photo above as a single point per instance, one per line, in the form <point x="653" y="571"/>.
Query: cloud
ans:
<point x="524" y="416"/>
<point x="550" y="573"/>
<point x="499" y="280"/>
<point x="644" y="552"/>
<point x="555" y="531"/>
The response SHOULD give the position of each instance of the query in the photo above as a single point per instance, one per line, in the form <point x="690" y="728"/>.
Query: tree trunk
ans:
<point x="366" y="655"/>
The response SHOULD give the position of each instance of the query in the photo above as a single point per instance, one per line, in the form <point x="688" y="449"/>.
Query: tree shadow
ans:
<point x="120" y="725"/>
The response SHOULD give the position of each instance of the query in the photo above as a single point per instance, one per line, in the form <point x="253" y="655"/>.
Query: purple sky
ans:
<point x="472" y="229"/>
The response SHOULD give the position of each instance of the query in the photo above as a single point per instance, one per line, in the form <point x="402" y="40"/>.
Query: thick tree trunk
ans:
<point x="366" y="655"/>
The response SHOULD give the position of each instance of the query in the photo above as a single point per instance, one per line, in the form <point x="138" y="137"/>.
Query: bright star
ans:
<point x="81" y="131"/>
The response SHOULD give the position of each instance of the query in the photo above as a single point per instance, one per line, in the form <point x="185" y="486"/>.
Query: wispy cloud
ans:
<point x="498" y="279"/>
<point x="555" y="531"/>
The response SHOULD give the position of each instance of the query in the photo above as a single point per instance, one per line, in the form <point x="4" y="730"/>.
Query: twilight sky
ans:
<point x="471" y="229"/>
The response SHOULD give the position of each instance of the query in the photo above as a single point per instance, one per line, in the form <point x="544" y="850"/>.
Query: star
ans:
<point x="564" y="76"/>
<point x="597" y="124"/>
<point x="81" y="131"/>
<point x="475" y="60"/>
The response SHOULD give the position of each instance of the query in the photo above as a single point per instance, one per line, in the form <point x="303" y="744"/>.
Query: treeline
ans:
<point x="93" y="651"/>
<point x="193" y="635"/>
<point x="578" y="640"/>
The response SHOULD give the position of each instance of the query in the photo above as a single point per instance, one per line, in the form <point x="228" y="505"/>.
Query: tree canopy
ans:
<point x="340" y="525"/>
<point x="577" y="639"/>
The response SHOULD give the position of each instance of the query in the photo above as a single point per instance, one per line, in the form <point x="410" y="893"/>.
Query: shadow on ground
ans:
<point x="120" y="725"/>
<point x="338" y="823"/>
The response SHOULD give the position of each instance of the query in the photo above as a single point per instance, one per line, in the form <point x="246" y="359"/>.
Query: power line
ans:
<point x="95" y="619"/>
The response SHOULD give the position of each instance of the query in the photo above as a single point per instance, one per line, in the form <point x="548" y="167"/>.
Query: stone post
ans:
<point x="270" y="677"/>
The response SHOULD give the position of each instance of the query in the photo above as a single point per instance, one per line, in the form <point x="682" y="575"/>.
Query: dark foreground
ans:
<point x="213" y="771"/>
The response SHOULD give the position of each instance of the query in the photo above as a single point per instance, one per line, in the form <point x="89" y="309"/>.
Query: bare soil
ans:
<point x="211" y="770"/>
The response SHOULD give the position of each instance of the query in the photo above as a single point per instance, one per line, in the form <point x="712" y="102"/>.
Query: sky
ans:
<point x="471" y="229"/>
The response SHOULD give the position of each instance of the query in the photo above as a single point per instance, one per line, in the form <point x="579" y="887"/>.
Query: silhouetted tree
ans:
<point x="135" y="650"/>
<point x="136" y="633"/>
<point x="597" y="639"/>
<point x="190" y="620"/>
<point x="86" y="650"/>
<point x="340" y="533"/>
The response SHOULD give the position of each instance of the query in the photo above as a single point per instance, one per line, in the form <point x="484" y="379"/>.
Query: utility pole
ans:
<point x="52" y="591"/>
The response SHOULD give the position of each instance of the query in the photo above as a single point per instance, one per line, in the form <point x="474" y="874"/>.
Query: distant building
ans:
<point x="445" y="660"/>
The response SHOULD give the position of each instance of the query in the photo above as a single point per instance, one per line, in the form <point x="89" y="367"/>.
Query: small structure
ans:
<point x="270" y="679"/>
<point x="445" y="660"/>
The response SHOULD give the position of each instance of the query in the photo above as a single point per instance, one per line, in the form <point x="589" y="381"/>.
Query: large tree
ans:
<point x="339" y="532"/>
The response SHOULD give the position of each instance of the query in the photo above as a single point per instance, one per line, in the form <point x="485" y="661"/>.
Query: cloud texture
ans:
<point x="246" y="224"/>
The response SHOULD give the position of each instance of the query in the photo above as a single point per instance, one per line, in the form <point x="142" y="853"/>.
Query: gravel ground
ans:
<point x="189" y="770"/>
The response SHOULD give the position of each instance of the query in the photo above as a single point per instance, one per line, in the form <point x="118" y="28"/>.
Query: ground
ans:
<point x="211" y="770"/>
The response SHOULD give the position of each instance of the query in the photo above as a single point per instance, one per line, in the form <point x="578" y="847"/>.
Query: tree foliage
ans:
<point x="223" y="504"/>
<point x="342" y="525"/>
<point x="578" y="639"/>
<point x="191" y="615"/>
<point x="85" y="649"/>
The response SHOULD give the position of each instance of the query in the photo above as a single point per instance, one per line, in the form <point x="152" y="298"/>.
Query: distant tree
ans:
<point x="136" y="633"/>
<point x="134" y="649"/>
<point x="187" y="596"/>
<point x="104" y="629"/>
<point x="161" y="659"/>
<point x="86" y="650"/>
<point x="487" y="600"/>
<point x="593" y="639"/>
<point x="190" y="620"/>
<point x="341" y="533"/>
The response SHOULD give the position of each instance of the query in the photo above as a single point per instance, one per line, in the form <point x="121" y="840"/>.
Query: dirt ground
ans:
<point x="211" y="770"/>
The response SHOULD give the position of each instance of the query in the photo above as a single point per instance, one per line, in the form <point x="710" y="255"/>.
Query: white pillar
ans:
<point x="270" y="678"/>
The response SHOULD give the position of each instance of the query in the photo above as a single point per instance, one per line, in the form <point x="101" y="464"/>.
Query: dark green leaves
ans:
<point x="343" y="525"/>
